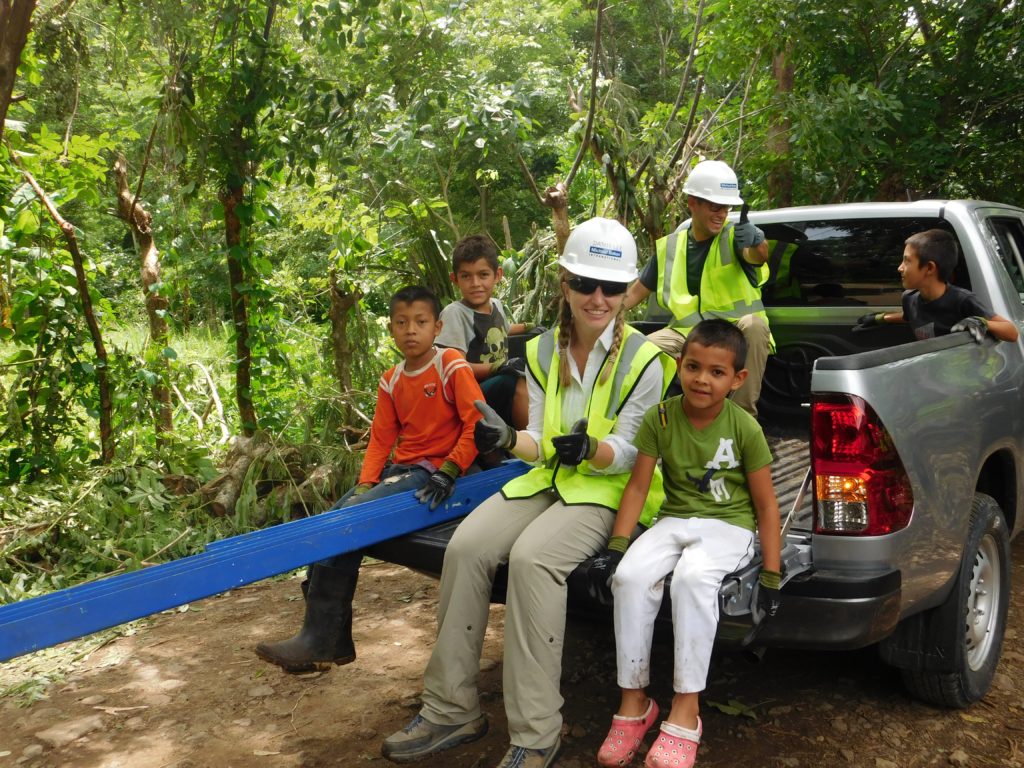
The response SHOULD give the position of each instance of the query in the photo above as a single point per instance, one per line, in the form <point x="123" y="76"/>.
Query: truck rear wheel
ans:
<point x="977" y="614"/>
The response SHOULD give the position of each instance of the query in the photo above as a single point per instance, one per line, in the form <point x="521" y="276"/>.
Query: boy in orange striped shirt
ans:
<point x="424" y="421"/>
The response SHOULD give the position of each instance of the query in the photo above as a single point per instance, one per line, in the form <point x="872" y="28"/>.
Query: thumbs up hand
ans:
<point x="491" y="431"/>
<point x="577" y="446"/>
<point x="746" y="235"/>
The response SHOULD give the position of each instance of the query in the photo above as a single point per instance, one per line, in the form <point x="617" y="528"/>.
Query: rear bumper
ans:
<point x="825" y="610"/>
<point x="821" y="610"/>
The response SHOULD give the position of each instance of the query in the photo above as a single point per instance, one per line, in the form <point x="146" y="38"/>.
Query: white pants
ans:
<point x="699" y="553"/>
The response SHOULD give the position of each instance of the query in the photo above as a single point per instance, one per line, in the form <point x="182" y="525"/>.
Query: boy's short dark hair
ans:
<point x="412" y="293"/>
<point x="937" y="246"/>
<point x="473" y="248"/>
<point x="719" y="333"/>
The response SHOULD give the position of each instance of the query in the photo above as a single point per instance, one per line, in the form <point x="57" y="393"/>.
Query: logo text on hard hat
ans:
<point x="729" y="185"/>
<point x="608" y="253"/>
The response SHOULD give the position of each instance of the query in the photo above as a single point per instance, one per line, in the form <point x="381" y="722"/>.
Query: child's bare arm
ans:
<point x="633" y="498"/>
<point x="481" y="371"/>
<point x="766" y="507"/>
<point x="1002" y="329"/>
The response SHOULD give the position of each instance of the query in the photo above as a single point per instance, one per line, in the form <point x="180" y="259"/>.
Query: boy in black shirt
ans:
<point x="930" y="304"/>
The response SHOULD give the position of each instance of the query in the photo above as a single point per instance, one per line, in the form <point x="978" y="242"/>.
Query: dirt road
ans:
<point x="185" y="690"/>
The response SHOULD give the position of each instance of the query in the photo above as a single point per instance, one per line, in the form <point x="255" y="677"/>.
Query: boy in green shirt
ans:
<point x="718" y="489"/>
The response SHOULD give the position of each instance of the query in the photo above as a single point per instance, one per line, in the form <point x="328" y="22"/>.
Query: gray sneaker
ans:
<point x="521" y="757"/>
<point x="422" y="738"/>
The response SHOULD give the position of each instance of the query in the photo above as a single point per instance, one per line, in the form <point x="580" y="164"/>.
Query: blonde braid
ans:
<point x="564" y="339"/>
<point x="613" y="352"/>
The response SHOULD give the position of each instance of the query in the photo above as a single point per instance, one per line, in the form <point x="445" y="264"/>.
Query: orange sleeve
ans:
<point x="383" y="433"/>
<point x="464" y="390"/>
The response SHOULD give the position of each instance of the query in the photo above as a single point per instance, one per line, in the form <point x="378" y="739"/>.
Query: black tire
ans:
<point x="978" y="616"/>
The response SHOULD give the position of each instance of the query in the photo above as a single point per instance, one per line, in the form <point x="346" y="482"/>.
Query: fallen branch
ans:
<point x="186" y="406"/>
<point x="221" y="494"/>
<point x="215" y="398"/>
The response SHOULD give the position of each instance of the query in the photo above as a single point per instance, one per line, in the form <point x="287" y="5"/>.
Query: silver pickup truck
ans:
<point x="899" y="464"/>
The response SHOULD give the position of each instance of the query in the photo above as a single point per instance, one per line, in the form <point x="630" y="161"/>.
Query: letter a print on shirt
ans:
<point x="724" y="457"/>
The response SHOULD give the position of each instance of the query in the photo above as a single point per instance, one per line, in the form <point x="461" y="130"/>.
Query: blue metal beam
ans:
<point x="63" y="615"/>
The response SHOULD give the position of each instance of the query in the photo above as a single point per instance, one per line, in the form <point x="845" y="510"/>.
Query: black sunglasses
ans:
<point x="587" y="285"/>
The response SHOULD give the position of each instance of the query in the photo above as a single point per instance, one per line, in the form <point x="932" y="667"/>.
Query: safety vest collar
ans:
<point x="581" y="485"/>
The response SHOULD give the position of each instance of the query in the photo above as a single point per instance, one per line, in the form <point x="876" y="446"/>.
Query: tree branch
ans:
<point x="102" y="381"/>
<point x="587" y="132"/>
<point x="529" y="178"/>
<point x="697" y="25"/>
<point x="697" y="91"/>
<point x="71" y="122"/>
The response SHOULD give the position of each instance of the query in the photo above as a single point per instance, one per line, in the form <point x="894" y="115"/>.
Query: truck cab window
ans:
<point x="842" y="262"/>
<point x="1008" y="236"/>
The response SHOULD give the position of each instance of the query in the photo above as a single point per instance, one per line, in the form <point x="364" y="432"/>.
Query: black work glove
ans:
<point x="491" y="431"/>
<point x="514" y="365"/>
<point x="577" y="446"/>
<point x="976" y="326"/>
<point x="602" y="568"/>
<point x="870" y="320"/>
<point x="768" y="596"/>
<point x="440" y="485"/>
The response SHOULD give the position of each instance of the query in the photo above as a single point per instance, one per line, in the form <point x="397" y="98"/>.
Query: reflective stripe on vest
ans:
<point x="724" y="292"/>
<point x="582" y="484"/>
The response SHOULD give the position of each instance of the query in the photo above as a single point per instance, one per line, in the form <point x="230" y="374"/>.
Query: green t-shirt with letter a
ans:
<point x="705" y="470"/>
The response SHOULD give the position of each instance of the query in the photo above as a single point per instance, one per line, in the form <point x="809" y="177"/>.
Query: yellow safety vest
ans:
<point x="783" y="282"/>
<point x="583" y="484"/>
<point x="724" y="290"/>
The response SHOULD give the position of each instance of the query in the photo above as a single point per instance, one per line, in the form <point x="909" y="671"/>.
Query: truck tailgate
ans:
<point x="424" y="550"/>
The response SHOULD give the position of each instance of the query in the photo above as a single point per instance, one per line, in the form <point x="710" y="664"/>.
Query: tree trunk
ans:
<point x="241" y="165"/>
<point x="15" y="23"/>
<point x="141" y="223"/>
<point x="341" y="303"/>
<point x="654" y="216"/>
<point x="557" y="199"/>
<point x="239" y="310"/>
<point x="5" y="296"/>
<point x="102" y="383"/>
<point x="780" y="180"/>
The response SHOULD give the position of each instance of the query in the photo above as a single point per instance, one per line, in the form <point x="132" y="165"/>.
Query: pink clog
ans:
<point x="671" y="751"/>
<point x="624" y="737"/>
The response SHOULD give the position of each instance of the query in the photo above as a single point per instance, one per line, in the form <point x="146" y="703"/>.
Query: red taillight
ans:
<point x="860" y="485"/>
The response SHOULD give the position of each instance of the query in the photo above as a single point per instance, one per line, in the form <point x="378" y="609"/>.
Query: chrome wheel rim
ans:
<point x="982" y="603"/>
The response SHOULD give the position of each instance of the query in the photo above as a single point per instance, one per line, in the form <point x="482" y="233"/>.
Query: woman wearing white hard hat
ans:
<point x="590" y="382"/>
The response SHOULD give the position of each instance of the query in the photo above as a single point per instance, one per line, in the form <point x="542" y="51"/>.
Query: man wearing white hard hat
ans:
<point x="590" y="382"/>
<point x="711" y="268"/>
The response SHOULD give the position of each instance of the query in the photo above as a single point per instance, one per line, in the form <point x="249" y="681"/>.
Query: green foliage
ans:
<point x="367" y="137"/>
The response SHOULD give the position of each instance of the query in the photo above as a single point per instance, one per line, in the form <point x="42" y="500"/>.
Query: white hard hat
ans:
<point x="601" y="249"/>
<point x="715" y="181"/>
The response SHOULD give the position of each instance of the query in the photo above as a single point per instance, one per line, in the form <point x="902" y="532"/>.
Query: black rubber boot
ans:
<point x="326" y="634"/>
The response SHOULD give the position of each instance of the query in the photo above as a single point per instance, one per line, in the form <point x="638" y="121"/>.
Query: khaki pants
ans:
<point x="542" y="540"/>
<point x="755" y="331"/>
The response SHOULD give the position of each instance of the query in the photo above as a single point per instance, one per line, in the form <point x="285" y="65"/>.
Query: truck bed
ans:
<point x="424" y="550"/>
